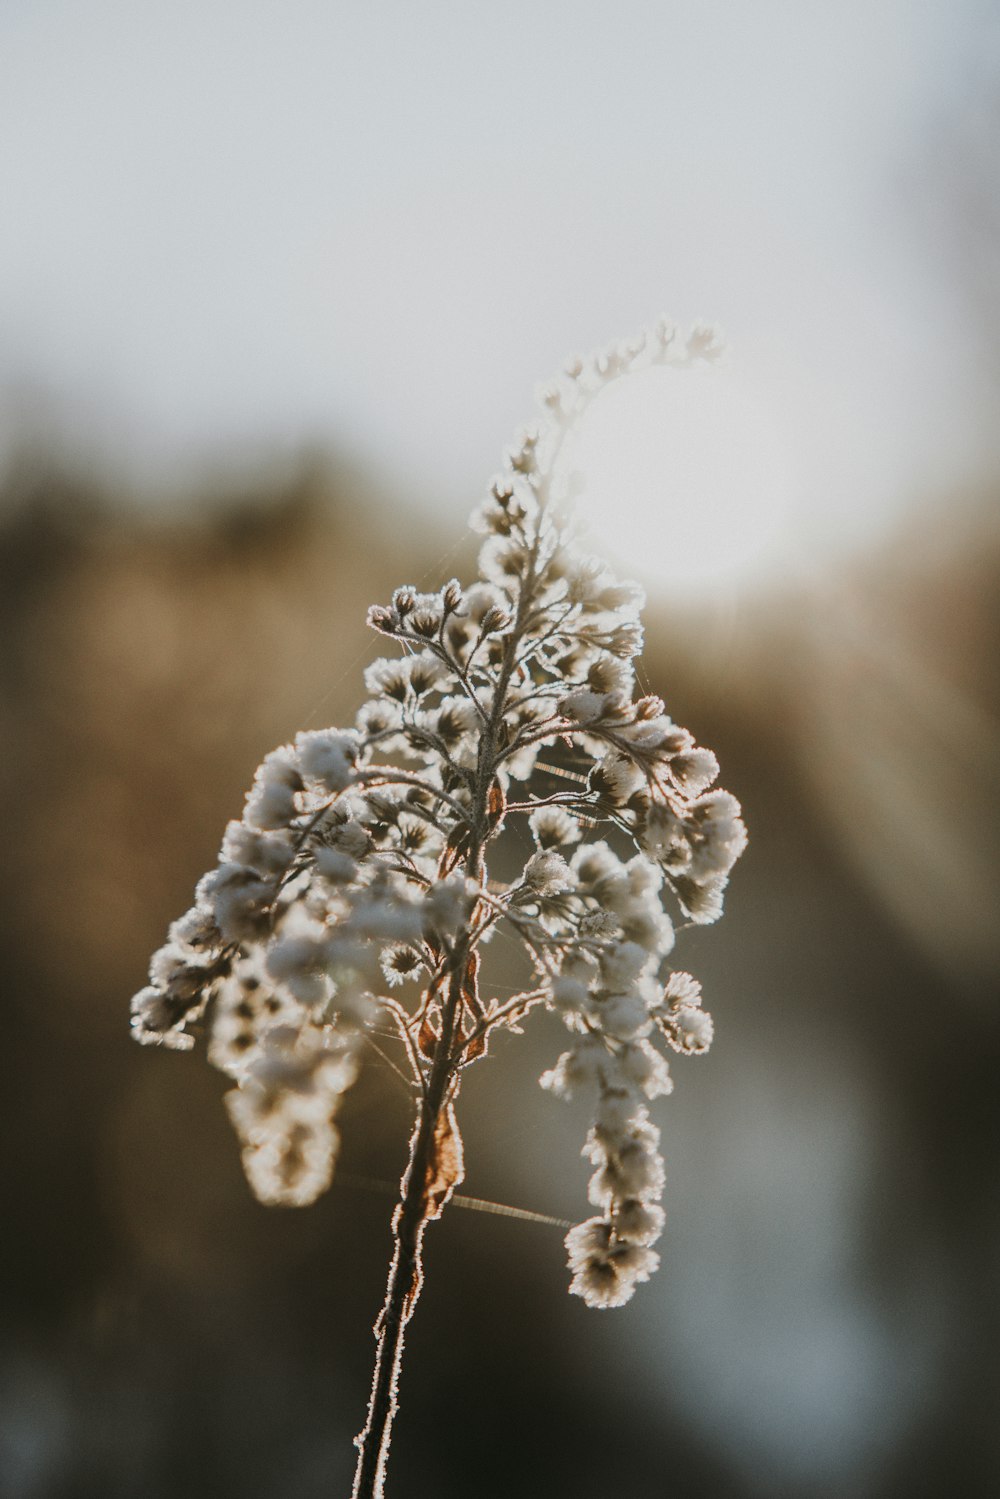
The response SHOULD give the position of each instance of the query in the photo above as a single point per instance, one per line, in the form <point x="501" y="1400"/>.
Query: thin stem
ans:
<point x="384" y="775"/>
<point x="584" y="799"/>
<point x="406" y="1270"/>
<point x="554" y="629"/>
<point x="514" y="1008"/>
<point x="442" y="652"/>
<point x="402" y="1019"/>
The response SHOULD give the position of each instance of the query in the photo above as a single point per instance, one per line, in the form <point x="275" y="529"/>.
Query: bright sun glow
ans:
<point x="685" y="480"/>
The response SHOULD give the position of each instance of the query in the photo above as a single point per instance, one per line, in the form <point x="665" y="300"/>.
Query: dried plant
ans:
<point x="356" y="888"/>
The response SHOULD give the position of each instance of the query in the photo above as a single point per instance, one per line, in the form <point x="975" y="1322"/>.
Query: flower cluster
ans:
<point x="356" y="890"/>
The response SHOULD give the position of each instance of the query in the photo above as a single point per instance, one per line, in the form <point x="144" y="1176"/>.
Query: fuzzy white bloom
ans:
<point x="344" y="830"/>
<point x="569" y="994"/>
<point x="638" y="1222"/>
<point x="606" y="1269"/>
<point x="682" y="989"/>
<point x="238" y="900"/>
<point x="297" y="959"/>
<point x="718" y="836"/>
<point x="448" y="905"/>
<point x="662" y="832"/>
<point x="617" y="778"/>
<point x="685" y="1025"/>
<point x="553" y="827"/>
<point x="364" y="863"/>
<point x="647" y="734"/>
<point x="611" y="1255"/>
<point x="283" y="1112"/>
<point x="335" y="865"/>
<point x="267" y="853"/>
<point x="546" y="873"/>
<point x="583" y="707"/>
<point x="155" y="1021"/>
<point x="694" y="770"/>
<point x="271" y="800"/>
<point x="246" y="1007"/>
<point x="694" y="1029"/>
<point x="644" y="1068"/>
<point x="379" y="720"/>
<point x="608" y="674"/>
<point x="576" y="1069"/>
<point x="621" y="963"/>
<point x="580" y="963"/>
<point x="623" y="1016"/>
<point x="327" y="758"/>
<point x="401" y="962"/>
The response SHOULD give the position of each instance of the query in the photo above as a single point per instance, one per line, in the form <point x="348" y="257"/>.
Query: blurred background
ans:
<point x="276" y="283"/>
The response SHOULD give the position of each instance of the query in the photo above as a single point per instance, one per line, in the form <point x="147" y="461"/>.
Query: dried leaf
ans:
<point x="427" y="1038"/>
<point x="476" y="1048"/>
<point x="496" y="806"/>
<point x="446" y="1167"/>
<point x="470" y="986"/>
<point x="457" y="845"/>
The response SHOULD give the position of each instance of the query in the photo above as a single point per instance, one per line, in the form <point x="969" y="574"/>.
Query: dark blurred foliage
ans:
<point x="825" y="1322"/>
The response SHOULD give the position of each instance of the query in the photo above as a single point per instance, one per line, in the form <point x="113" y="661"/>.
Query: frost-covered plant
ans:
<point x="356" y="888"/>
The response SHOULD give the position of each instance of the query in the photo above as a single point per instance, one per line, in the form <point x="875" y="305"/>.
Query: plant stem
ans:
<point x="411" y="1217"/>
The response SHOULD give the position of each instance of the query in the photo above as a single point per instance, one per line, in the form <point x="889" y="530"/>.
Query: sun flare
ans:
<point x="683" y="477"/>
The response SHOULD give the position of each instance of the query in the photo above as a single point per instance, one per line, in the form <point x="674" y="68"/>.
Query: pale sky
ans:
<point x="238" y="227"/>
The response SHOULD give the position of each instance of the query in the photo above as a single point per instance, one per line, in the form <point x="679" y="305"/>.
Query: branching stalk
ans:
<point x="346" y="874"/>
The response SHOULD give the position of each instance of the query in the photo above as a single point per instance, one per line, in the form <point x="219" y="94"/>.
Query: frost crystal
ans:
<point x="355" y="889"/>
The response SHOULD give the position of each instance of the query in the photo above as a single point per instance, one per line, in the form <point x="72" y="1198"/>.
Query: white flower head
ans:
<point x="504" y="777"/>
<point x="327" y="759"/>
<point x="554" y="828"/>
<point x="271" y="800"/>
<point x="546" y="873"/>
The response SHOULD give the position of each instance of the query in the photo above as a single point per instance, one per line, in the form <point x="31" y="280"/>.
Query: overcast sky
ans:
<point x="378" y="225"/>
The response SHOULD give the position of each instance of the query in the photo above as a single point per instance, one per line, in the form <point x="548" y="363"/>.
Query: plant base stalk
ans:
<point x="434" y="1170"/>
<point x="402" y="1290"/>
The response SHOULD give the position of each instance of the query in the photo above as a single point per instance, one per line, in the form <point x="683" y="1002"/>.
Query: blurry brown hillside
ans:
<point x="827" y="1321"/>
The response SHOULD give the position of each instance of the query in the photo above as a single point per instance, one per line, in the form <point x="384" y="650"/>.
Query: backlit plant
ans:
<point x="356" y="889"/>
